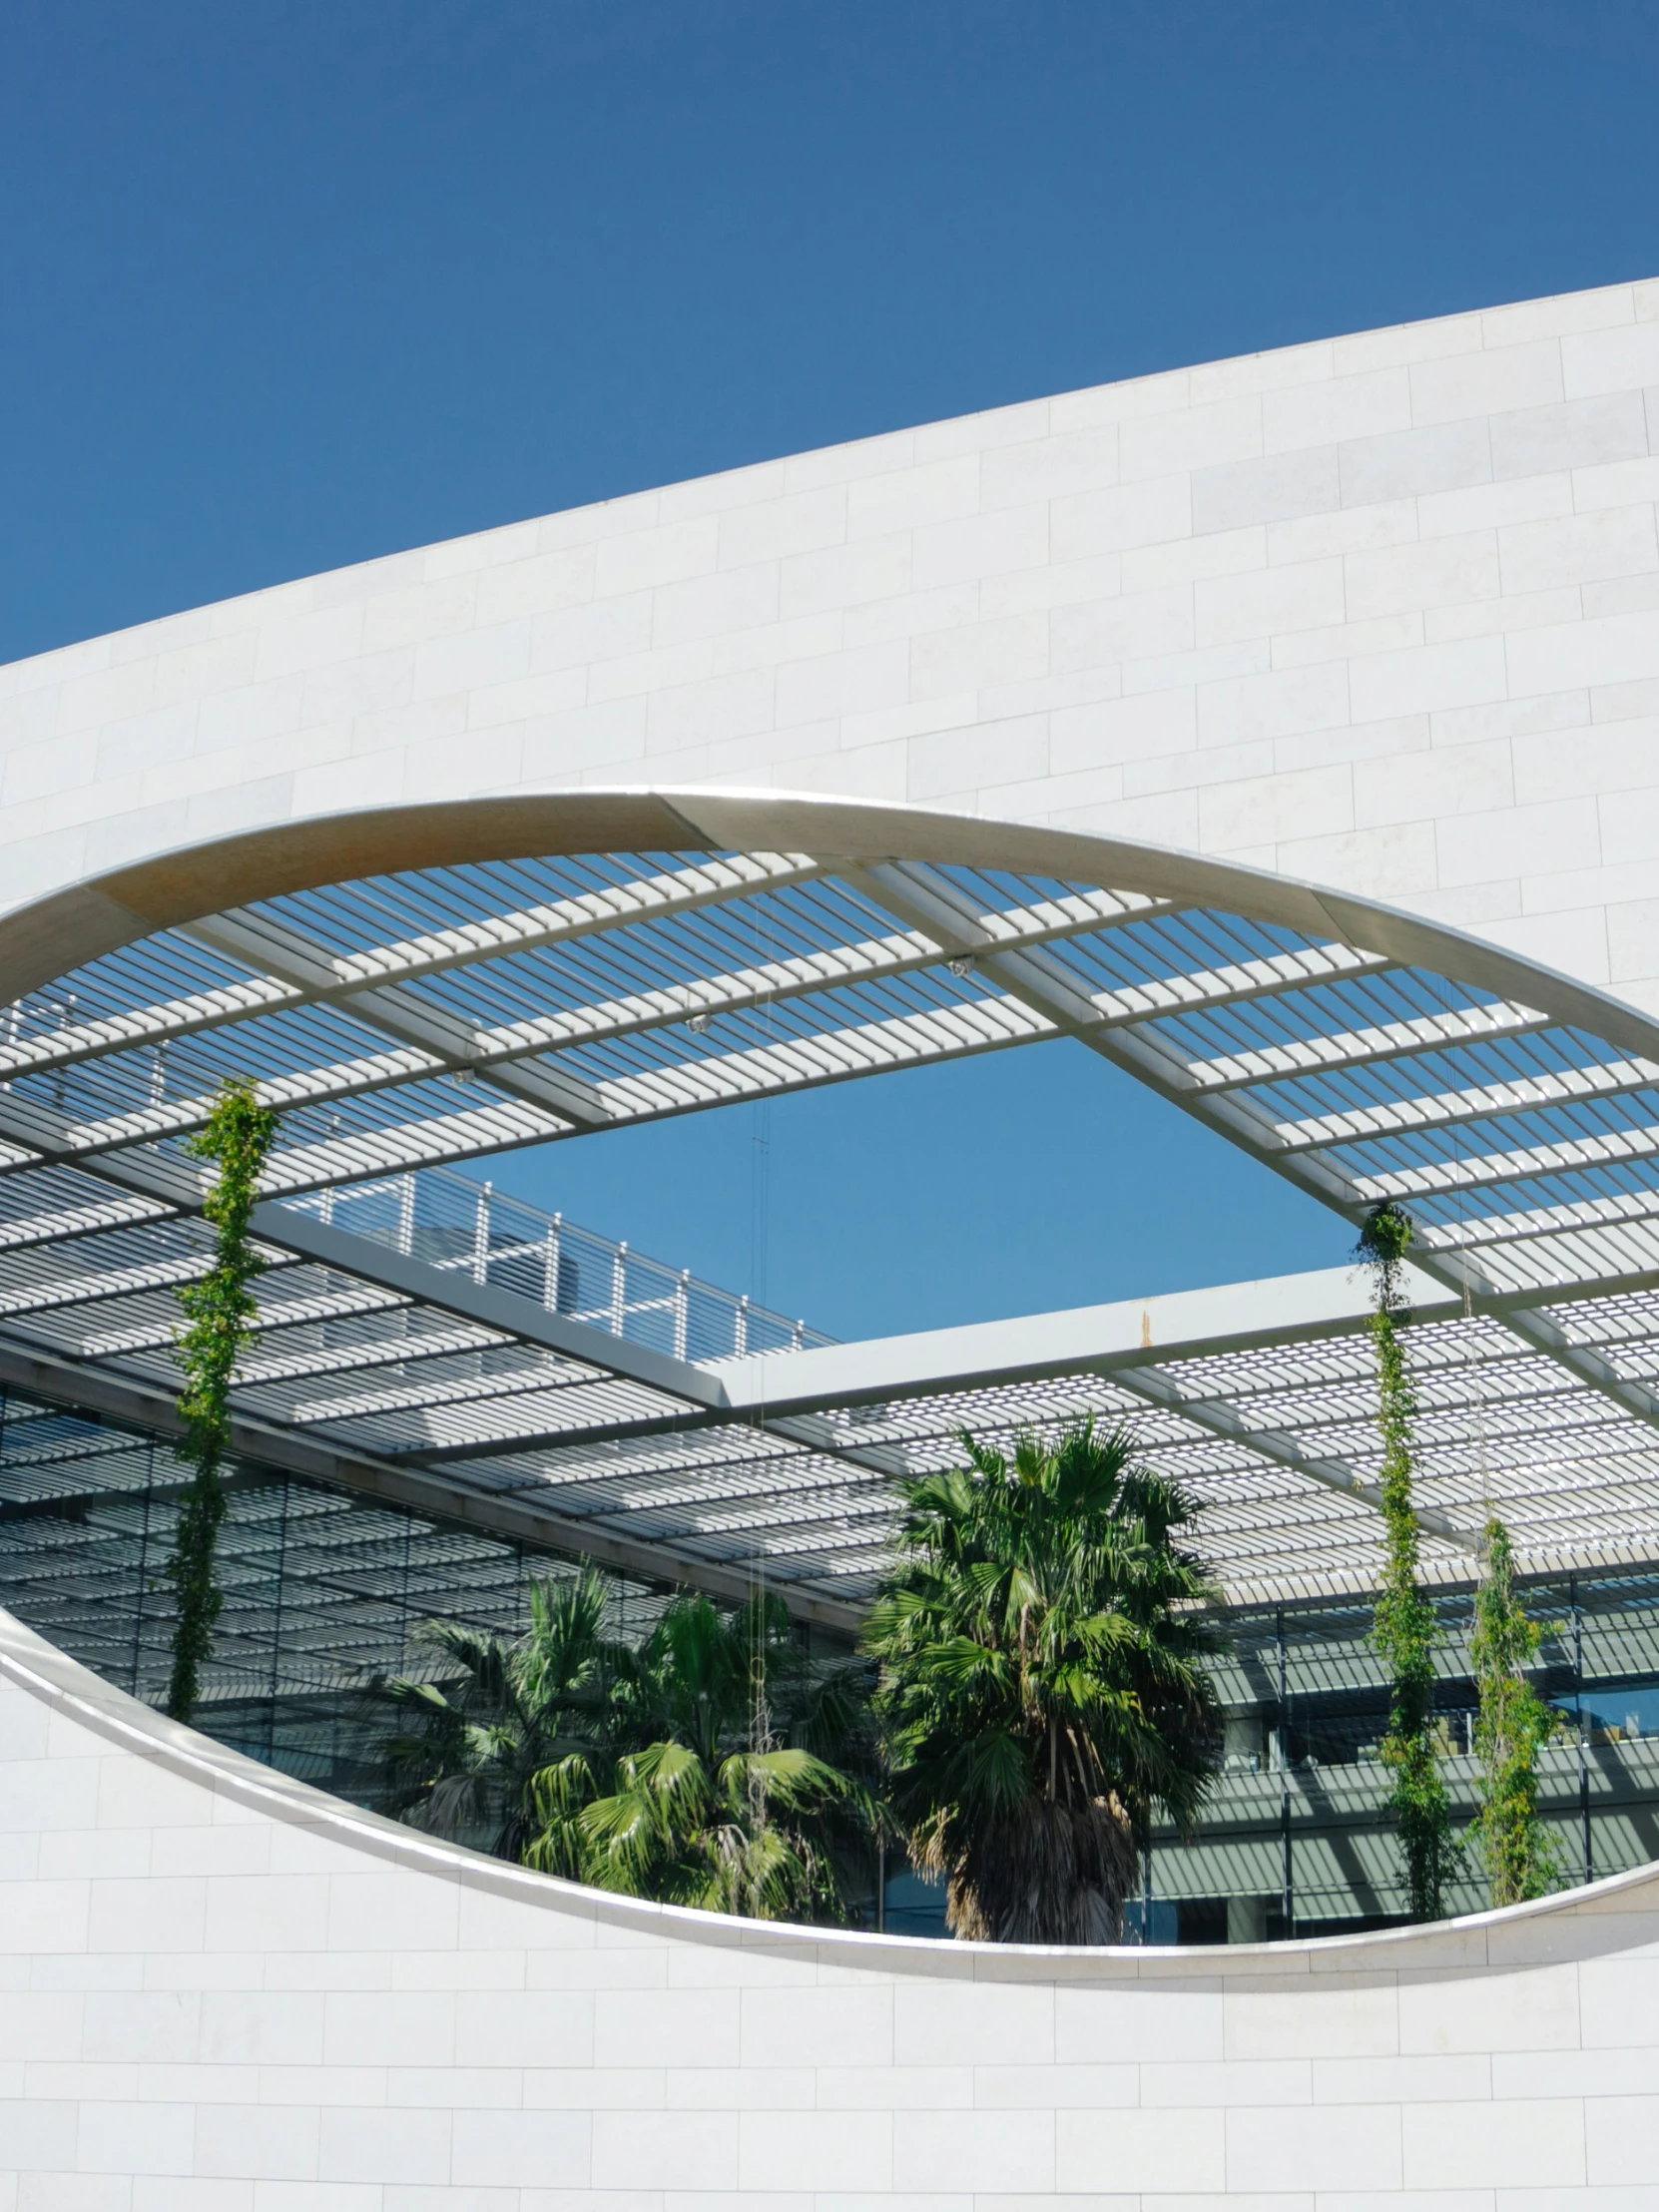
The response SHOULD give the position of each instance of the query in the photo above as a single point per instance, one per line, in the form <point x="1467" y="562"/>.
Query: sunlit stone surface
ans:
<point x="1382" y="614"/>
<point x="225" y="1991"/>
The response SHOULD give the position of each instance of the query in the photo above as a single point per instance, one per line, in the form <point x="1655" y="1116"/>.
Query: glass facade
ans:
<point x="1297" y="1837"/>
<point x="326" y="1591"/>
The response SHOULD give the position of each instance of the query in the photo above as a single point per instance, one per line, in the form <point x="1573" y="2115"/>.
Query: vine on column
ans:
<point x="1405" y="1623"/>
<point x="1522" y="1859"/>
<point x="218" y="1314"/>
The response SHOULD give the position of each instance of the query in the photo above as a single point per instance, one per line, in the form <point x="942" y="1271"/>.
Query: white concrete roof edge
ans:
<point x="105" y="911"/>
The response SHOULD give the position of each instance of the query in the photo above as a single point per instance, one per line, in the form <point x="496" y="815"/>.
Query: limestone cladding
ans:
<point x="1379" y="612"/>
<point x="222" y="1992"/>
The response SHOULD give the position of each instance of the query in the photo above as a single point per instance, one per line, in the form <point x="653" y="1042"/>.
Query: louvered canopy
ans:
<point x="465" y="998"/>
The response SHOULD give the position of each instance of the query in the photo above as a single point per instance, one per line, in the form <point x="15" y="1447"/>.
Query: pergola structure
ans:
<point x="425" y="988"/>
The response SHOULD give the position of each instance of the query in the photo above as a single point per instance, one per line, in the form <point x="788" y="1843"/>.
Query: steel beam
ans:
<point x="446" y="1290"/>
<point x="514" y="1518"/>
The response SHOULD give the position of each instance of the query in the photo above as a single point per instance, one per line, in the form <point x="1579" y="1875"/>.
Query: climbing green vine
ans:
<point x="1513" y="1721"/>
<point x="1405" y="1624"/>
<point x="218" y="1310"/>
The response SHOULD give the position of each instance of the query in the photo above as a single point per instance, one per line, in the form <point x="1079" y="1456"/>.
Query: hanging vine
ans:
<point x="1521" y="1858"/>
<point x="218" y="1313"/>
<point x="1405" y="1624"/>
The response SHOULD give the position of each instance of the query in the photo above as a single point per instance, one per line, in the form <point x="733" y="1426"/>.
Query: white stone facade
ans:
<point x="222" y="1992"/>
<point x="1381" y="613"/>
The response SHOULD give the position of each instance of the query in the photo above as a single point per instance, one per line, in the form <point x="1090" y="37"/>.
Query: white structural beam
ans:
<point x="1206" y="1005"/>
<point x="298" y="972"/>
<point x="1350" y="1195"/>
<point x="1131" y="1342"/>
<point x="1342" y="1050"/>
<point x="447" y="1290"/>
<point x="1055" y="998"/>
<point x="923" y="899"/>
<point x="290" y="970"/>
<point x="1085" y="1340"/>
<point x="717" y="879"/>
<point x="517" y="1516"/>
<point x="1373" y="1119"/>
<point x="1222" y="1420"/>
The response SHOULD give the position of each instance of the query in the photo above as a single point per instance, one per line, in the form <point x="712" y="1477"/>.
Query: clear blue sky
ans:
<point x="282" y="287"/>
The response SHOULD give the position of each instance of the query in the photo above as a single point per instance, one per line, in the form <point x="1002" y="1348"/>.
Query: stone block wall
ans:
<point x="222" y="1992"/>
<point x="1379" y="612"/>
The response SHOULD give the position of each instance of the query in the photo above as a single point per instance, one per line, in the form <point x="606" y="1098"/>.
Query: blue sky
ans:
<point x="282" y="287"/>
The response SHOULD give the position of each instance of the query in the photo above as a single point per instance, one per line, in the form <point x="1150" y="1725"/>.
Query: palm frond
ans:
<point x="1041" y="1682"/>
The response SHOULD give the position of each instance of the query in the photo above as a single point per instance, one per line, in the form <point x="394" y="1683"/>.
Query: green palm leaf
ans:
<point x="1042" y="1683"/>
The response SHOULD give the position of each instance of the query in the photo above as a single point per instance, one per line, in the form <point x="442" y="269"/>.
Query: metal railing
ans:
<point x="457" y="1225"/>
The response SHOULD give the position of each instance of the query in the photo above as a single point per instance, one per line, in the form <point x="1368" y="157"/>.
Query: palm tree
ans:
<point x="724" y="1790"/>
<point x="716" y="1764"/>
<point x="508" y="1708"/>
<point x="1040" y="1640"/>
<point x="729" y="1836"/>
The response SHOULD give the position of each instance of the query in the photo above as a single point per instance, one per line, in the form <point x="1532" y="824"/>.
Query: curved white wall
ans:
<point x="226" y="1993"/>
<point x="1383" y="613"/>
